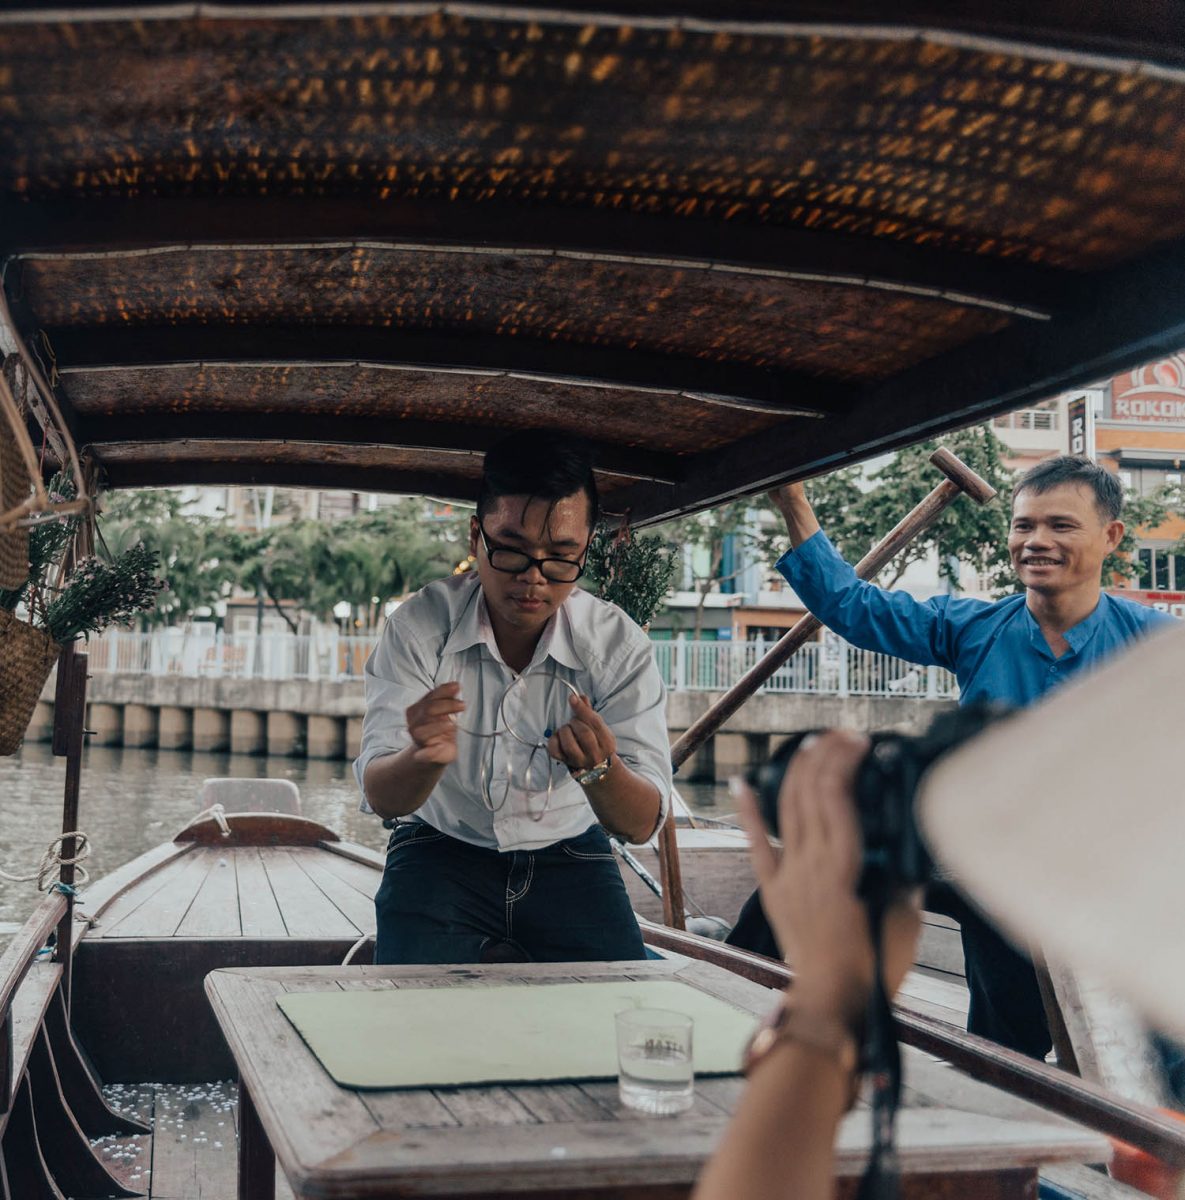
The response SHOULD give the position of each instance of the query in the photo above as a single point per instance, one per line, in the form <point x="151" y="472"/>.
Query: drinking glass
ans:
<point x="654" y="1061"/>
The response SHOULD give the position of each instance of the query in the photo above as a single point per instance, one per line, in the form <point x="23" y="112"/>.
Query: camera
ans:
<point x="895" y="854"/>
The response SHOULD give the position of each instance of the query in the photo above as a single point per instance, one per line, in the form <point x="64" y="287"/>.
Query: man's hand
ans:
<point x="790" y="500"/>
<point x="431" y="721"/>
<point x="809" y="893"/>
<point x="585" y="741"/>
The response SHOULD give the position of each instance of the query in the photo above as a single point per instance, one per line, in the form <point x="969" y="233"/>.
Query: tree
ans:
<point x="631" y="570"/>
<point x="1141" y="516"/>
<point x="197" y="554"/>
<point x="365" y="560"/>
<point x="703" y="537"/>
<point x="855" y="517"/>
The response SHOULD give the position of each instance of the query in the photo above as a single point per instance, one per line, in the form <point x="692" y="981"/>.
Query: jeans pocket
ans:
<point x="592" y="845"/>
<point x="412" y="833"/>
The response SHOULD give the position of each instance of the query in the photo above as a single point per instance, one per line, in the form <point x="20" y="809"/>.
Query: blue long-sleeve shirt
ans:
<point x="996" y="650"/>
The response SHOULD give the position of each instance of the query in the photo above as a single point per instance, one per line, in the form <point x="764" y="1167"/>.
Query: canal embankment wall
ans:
<point x="323" y="718"/>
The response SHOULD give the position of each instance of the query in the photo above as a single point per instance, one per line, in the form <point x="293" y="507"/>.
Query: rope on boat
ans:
<point x="216" y="812"/>
<point x="349" y="958"/>
<point x="51" y="862"/>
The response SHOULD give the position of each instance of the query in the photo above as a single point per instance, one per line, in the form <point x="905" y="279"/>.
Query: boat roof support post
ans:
<point x="69" y="716"/>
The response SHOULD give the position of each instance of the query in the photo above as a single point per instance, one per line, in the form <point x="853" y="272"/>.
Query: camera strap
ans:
<point x="883" y="1068"/>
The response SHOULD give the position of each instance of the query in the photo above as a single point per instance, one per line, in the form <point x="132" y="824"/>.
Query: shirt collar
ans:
<point x="1077" y="636"/>
<point x="473" y="628"/>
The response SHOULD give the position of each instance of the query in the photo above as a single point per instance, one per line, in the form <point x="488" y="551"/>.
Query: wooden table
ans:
<point x="546" y="1141"/>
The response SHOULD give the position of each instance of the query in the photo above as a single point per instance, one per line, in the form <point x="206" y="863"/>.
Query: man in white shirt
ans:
<point x="509" y="716"/>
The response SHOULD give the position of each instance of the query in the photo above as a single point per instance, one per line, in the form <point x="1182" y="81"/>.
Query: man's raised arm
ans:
<point x="790" y="500"/>
<point x="868" y="616"/>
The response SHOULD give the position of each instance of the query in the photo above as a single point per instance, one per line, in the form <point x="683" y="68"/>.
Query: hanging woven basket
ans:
<point x="15" y="486"/>
<point x="27" y="656"/>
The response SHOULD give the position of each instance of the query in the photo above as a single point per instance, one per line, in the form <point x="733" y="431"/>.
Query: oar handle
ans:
<point x="960" y="474"/>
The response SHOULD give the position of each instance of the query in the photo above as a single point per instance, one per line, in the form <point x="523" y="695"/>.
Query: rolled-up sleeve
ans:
<point x="868" y="616"/>
<point x="635" y="708"/>
<point x="397" y="674"/>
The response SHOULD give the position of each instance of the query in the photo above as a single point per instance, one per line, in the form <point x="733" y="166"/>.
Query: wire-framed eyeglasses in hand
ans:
<point x="515" y="562"/>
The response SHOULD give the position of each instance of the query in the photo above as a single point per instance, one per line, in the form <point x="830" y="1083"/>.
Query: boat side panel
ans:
<point x="139" y="1010"/>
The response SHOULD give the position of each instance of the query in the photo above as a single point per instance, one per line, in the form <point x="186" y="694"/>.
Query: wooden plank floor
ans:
<point x="192" y="1152"/>
<point x="248" y="891"/>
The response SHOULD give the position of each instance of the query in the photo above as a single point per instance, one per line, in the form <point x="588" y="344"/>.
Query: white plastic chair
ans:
<point x="251" y="795"/>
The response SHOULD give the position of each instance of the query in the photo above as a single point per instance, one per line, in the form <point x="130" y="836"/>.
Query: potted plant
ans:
<point x="632" y="572"/>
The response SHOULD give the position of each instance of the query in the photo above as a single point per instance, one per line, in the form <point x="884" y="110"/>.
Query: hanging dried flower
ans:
<point x="99" y="593"/>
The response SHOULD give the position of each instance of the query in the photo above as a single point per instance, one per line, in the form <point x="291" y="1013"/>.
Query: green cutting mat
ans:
<point x="445" y="1037"/>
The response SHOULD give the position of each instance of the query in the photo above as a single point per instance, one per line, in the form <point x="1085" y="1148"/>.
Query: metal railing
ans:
<point x="830" y="668"/>
<point x="1028" y="418"/>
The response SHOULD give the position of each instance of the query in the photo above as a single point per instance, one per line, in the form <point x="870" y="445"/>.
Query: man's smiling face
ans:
<point x="1059" y="538"/>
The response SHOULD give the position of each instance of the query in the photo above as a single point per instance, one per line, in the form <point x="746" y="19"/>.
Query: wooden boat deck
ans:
<point x="247" y="892"/>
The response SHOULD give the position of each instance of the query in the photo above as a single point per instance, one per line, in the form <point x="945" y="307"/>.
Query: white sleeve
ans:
<point x="398" y="672"/>
<point x="635" y="708"/>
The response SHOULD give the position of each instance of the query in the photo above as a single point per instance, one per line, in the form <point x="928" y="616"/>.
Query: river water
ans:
<point x="132" y="800"/>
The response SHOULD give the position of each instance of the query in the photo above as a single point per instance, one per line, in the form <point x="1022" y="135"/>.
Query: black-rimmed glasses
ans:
<point x="515" y="562"/>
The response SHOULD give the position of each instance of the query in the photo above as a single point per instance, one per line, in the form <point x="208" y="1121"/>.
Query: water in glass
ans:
<point x="654" y="1061"/>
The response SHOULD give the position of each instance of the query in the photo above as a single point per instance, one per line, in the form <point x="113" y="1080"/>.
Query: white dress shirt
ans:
<point x="443" y="634"/>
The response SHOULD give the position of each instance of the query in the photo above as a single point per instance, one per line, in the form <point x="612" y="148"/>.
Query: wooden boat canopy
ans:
<point x="351" y="245"/>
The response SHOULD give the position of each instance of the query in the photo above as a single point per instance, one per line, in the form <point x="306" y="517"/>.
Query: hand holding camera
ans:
<point x="809" y="889"/>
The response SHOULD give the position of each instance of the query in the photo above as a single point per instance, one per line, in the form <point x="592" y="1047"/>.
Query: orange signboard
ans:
<point x="1150" y="394"/>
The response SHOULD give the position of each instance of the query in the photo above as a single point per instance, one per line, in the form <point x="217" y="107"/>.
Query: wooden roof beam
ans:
<point x="290" y="426"/>
<point x="1128" y="316"/>
<point x="729" y="384"/>
<point x="350" y="477"/>
<point x="1150" y="30"/>
<point x="103" y="225"/>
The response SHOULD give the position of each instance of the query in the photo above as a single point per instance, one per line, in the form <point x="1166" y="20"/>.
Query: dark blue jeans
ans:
<point x="445" y="901"/>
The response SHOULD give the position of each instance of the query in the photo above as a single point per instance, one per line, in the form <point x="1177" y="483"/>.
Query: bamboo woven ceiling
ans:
<point x="351" y="246"/>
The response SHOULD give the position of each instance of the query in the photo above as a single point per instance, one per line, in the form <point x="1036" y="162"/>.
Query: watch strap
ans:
<point x="828" y="1036"/>
<point x="594" y="773"/>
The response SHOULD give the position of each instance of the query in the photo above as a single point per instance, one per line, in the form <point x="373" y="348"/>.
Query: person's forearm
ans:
<point x="625" y="803"/>
<point x="780" y="1144"/>
<point x="792" y="503"/>
<point x="396" y="785"/>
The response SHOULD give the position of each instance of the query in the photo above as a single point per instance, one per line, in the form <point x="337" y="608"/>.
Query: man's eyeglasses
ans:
<point x="515" y="562"/>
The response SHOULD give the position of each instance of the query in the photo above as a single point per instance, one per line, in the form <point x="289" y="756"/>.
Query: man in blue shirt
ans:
<point x="1065" y="521"/>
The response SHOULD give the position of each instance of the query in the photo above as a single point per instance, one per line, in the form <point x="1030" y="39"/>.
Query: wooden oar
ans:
<point x="960" y="480"/>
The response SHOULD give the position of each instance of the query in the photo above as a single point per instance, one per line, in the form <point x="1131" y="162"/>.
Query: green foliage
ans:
<point x="702" y="537"/>
<point x="99" y="593"/>
<point x="1141" y="515"/>
<point x="198" y="555"/>
<point x="855" y="518"/>
<point x="365" y="560"/>
<point x="633" y="572"/>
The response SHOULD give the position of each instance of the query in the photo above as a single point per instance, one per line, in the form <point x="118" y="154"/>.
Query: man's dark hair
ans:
<point x="1074" y="469"/>
<point x="541" y="464"/>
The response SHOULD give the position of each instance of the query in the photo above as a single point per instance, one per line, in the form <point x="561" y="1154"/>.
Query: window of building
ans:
<point x="1163" y="563"/>
<point x="1160" y="570"/>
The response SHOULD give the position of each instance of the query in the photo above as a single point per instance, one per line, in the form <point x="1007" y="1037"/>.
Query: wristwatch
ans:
<point x="828" y="1036"/>
<point x="593" y="774"/>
